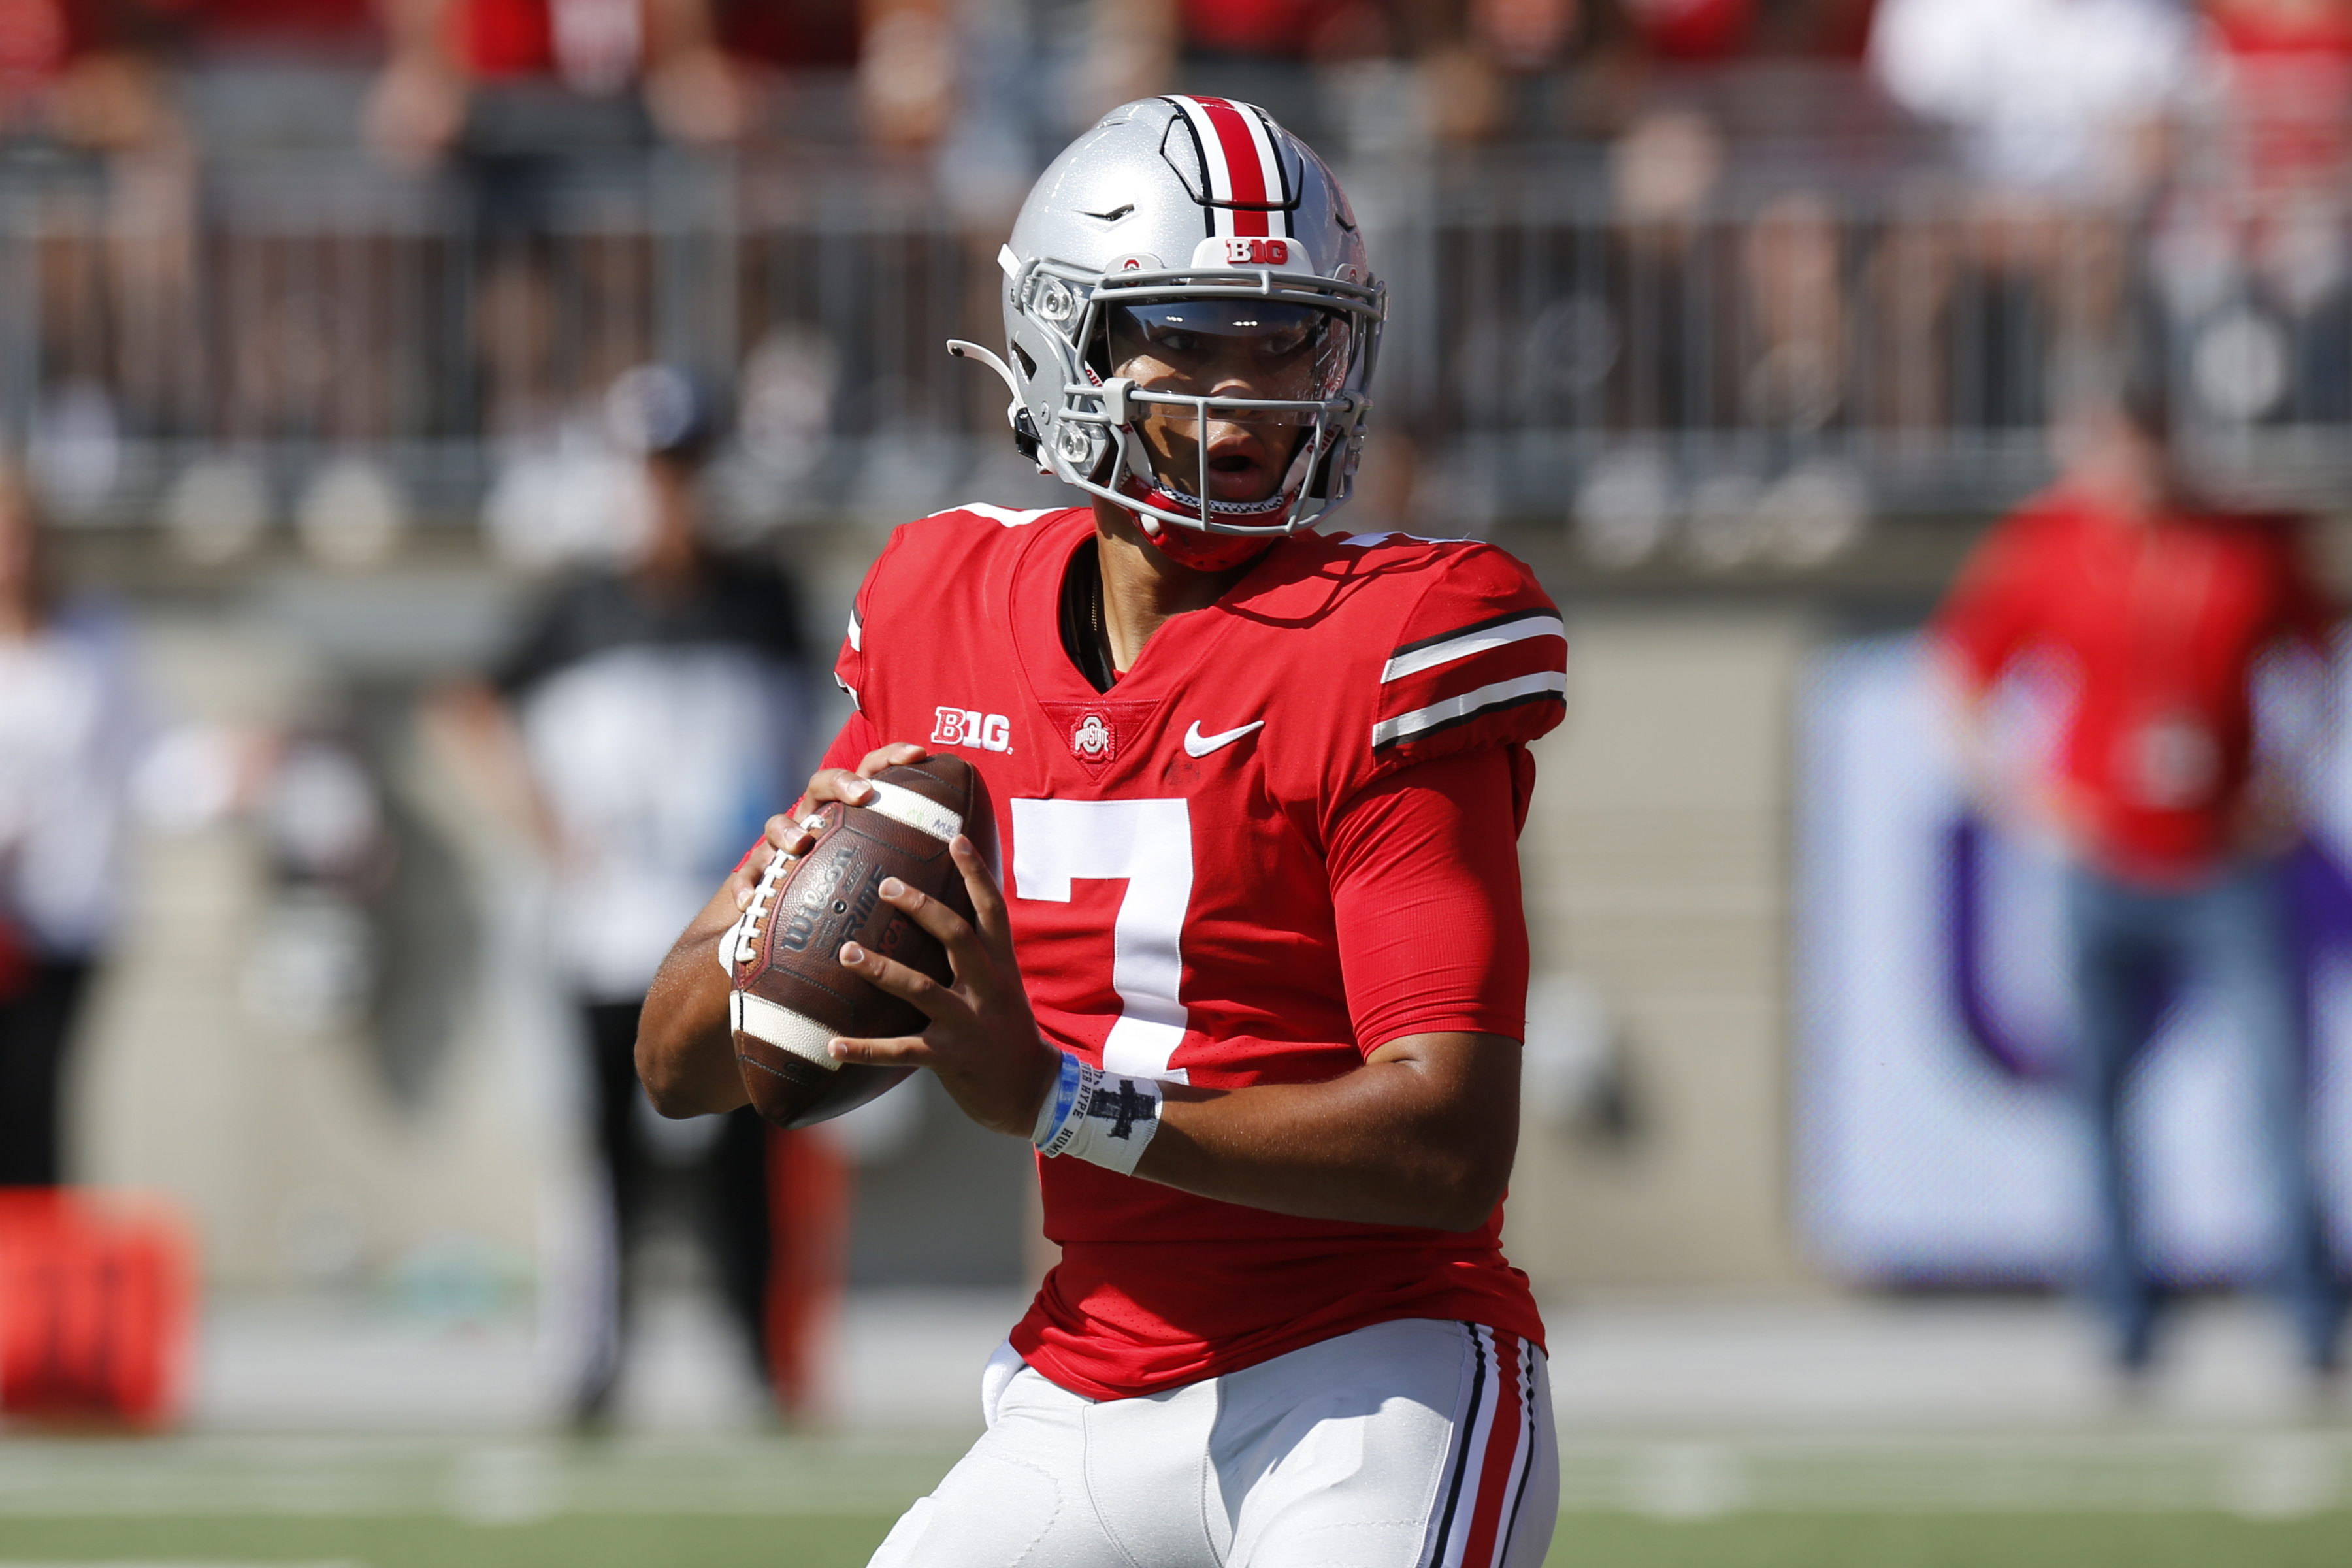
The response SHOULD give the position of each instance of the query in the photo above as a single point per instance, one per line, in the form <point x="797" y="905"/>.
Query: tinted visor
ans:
<point x="1243" y="348"/>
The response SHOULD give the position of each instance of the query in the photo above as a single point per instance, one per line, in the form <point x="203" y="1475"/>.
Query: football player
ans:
<point x="1251" y="970"/>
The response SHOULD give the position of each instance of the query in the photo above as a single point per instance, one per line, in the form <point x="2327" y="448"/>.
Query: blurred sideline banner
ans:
<point x="1936" y="1142"/>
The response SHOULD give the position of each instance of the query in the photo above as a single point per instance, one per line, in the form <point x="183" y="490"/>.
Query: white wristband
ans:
<point x="1104" y="1120"/>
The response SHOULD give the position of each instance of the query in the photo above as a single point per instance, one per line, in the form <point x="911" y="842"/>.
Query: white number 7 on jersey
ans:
<point x="1149" y="843"/>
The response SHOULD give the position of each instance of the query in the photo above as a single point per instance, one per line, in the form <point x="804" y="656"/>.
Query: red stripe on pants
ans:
<point x="1502" y="1452"/>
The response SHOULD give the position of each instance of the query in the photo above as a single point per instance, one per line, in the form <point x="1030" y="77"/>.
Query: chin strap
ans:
<point x="1199" y="549"/>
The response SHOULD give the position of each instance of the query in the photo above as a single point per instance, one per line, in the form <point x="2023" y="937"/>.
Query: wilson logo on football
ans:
<point x="971" y="727"/>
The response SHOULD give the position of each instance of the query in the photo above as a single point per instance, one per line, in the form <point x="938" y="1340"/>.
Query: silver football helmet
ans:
<point x="1174" y="217"/>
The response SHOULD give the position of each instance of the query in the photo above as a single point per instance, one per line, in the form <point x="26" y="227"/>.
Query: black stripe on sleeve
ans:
<point x="1469" y="1429"/>
<point x="1531" y="614"/>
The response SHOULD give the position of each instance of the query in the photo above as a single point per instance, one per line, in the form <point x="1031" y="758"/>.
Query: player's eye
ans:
<point x="1286" y="342"/>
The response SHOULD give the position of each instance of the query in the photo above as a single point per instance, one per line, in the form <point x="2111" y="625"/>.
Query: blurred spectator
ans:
<point x="1821" y="29"/>
<point x="648" y="722"/>
<point x="2048" y="96"/>
<point x="2173" y="815"/>
<point x="2252" y="254"/>
<point x="71" y="727"/>
<point x="2057" y="108"/>
<point x="88" y="79"/>
<point x="86" y="72"/>
<point x="282" y="32"/>
<point x="539" y="77"/>
<point x="1691" y="32"/>
<point x="2287" y="71"/>
<point x="1369" y="73"/>
<point x="907" y="72"/>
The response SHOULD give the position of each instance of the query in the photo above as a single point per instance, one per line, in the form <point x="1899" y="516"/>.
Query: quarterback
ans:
<point x="1250" y="968"/>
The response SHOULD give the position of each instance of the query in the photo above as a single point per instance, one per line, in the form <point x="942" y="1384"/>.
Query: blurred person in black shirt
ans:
<point x="650" y="718"/>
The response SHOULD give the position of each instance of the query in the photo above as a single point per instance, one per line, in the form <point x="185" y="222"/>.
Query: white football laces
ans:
<point x="740" y="944"/>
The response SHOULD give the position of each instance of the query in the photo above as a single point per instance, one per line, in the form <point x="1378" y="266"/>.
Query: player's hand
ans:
<point x="784" y="833"/>
<point x="983" y="1042"/>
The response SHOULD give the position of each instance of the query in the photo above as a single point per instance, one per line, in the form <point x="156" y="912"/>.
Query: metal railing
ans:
<point x="1554" y="346"/>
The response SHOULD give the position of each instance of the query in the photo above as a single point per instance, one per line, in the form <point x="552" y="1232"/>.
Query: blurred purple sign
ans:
<point x="1935" y="1141"/>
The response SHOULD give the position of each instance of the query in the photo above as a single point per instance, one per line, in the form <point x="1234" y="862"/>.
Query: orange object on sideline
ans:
<point x="809" y="1185"/>
<point x="97" y="1296"/>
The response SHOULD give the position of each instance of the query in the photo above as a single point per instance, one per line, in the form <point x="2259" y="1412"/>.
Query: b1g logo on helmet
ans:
<point x="1238" y="250"/>
<point x="971" y="727"/>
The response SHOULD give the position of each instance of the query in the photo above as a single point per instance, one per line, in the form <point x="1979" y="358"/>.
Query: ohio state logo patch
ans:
<point x="1099" y="733"/>
<point x="1092" y="739"/>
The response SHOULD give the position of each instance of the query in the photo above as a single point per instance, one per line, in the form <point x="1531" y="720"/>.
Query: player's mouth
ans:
<point x="1245" y="461"/>
<point x="1241" y="467"/>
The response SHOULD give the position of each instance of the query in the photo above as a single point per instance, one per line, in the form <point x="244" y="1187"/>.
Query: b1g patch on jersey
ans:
<point x="1098" y="733"/>
<point x="971" y="727"/>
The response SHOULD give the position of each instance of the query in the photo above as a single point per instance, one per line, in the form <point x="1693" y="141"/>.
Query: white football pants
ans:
<point x="1417" y="1443"/>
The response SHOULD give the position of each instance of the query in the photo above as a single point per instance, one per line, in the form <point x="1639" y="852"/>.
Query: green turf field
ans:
<point x="1585" y="1540"/>
<point x="2132" y="1500"/>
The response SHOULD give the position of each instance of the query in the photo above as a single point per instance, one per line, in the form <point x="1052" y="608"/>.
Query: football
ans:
<point x="790" y="994"/>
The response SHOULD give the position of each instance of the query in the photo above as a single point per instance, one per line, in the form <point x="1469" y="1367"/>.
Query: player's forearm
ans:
<point x="1422" y="1135"/>
<point x="684" y="1054"/>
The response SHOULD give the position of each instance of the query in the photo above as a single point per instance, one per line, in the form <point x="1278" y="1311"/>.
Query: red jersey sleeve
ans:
<point x="1479" y="662"/>
<point x="856" y="736"/>
<point x="1994" y="607"/>
<point x="853" y="671"/>
<point x="1425" y="888"/>
<point x="850" y="672"/>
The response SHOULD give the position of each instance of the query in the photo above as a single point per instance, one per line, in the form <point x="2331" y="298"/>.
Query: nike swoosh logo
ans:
<point x="1200" y="745"/>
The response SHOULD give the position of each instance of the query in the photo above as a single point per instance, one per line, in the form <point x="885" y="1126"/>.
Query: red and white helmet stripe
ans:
<point x="1248" y="189"/>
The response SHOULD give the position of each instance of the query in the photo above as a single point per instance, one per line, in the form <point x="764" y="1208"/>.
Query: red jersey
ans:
<point x="1212" y="877"/>
<point x="2161" y="625"/>
<point x="2290" y="76"/>
<point x="1695" y="30"/>
<point x="1283" y="29"/>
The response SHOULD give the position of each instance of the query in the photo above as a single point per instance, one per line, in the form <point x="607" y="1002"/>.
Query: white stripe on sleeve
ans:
<point x="1543" y="624"/>
<point x="1468" y="703"/>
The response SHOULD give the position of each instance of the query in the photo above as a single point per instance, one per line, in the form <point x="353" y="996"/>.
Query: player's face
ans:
<point x="1228" y="348"/>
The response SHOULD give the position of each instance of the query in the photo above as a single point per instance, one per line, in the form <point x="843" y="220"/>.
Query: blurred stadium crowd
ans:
<point x="1734" y="274"/>
<point x="297" y="295"/>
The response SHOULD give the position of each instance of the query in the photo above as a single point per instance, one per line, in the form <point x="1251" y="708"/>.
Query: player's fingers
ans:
<point x="987" y="898"/>
<point x="837" y="784"/>
<point x="966" y="955"/>
<point x="937" y="1001"/>
<point x="906" y="1051"/>
<point x="898" y="754"/>
<point x="785" y="835"/>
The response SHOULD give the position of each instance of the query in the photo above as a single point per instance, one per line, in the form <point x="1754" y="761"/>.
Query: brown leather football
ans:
<point x="792" y="995"/>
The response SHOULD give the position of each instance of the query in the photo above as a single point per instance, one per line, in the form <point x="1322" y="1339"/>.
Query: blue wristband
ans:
<point x="1061" y="1102"/>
